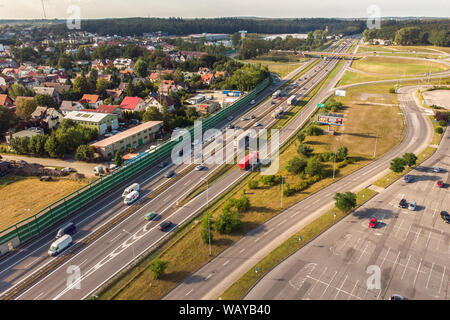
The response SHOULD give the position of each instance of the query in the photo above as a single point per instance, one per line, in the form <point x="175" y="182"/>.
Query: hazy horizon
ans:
<point x="100" y="9"/>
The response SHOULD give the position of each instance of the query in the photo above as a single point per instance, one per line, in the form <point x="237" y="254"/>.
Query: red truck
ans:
<point x="251" y="158"/>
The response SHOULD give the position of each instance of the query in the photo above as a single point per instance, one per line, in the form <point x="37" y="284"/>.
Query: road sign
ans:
<point x="340" y="93"/>
<point x="331" y="119"/>
<point x="335" y="214"/>
<point x="299" y="238"/>
<point x="321" y="105"/>
<point x="256" y="269"/>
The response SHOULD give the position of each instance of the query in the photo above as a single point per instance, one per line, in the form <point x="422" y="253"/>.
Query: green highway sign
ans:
<point x="321" y="105"/>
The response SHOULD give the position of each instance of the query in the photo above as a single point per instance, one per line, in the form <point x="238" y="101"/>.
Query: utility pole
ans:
<point x="209" y="234"/>
<point x="375" y="151"/>
<point x="334" y="164"/>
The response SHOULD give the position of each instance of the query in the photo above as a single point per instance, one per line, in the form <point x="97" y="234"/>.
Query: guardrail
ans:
<point x="34" y="225"/>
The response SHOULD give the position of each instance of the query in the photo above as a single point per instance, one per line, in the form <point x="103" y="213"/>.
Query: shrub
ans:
<point x="342" y="153"/>
<point x="228" y="222"/>
<point x="439" y="130"/>
<point x="442" y="123"/>
<point x="305" y="150"/>
<point x="296" y="165"/>
<point x="313" y="167"/>
<point x="270" y="180"/>
<point x="252" y="184"/>
<point x="157" y="267"/>
<point x="392" y="90"/>
<point x="345" y="201"/>
<point x="287" y="191"/>
<point x="314" y="131"/>
<point x="326" y="156"/>
<point x="301" y="137"/>
<point x="398" y="165"/>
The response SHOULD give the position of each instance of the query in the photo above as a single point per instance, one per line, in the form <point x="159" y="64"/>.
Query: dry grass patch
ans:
<point x="396" y="66"/>
<point x="19" y="194"/>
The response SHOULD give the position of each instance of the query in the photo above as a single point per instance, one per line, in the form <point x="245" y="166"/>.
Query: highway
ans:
<point x="125" y="239"/>
<point x="215" y="277"/>
<point x="411" y="248"/>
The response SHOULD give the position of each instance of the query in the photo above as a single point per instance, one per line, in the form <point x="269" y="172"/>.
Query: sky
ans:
<point x="93" y="9"/>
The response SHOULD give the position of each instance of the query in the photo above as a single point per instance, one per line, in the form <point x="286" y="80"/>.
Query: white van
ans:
<point x="131" y="197"/>
<point x="129" y="189"/>
<point x="60" y="245"/>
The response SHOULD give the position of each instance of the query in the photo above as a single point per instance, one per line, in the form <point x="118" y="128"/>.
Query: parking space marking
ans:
<point x="406" y="267"/>
<point x="431" y="270"/>
<point x="415" y="279"/>
<point x="351" y="293"/>
<point x="340" y="289"/>
<point x="315" y="283"/>
<point x="442" y="280"/>
<point x="328" y="285"/>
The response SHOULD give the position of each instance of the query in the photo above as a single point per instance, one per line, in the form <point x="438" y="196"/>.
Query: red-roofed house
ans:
<point x="207" y="79"/>
<point x="92" y="100"/>
<point x="132" y="104"/>
<point x="153" y="76"/>
<point x="159" y="102"/>
<point x="114" y="94"/>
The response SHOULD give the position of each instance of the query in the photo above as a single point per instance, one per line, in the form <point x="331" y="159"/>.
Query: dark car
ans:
<point x="403" y="204"/>
<point x="45" y="178"/>
<point x="445" y="216"/>
<point x="397" y="297"/>
<point x="164" y="225"/>
<point x="170" y="174"/>
<point x="69" y="229"/>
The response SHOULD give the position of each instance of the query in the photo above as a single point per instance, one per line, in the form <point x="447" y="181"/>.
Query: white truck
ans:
<point x="129" y="189"/>
<point x="60" y="245"/>
<point x="276" y="94"/>
<point x="131" y="197"/>
<point x="292" y="100"/>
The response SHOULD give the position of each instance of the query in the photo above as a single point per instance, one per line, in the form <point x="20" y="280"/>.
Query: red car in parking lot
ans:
<point x="372" y="222"/>
<point x="440" y="183"/>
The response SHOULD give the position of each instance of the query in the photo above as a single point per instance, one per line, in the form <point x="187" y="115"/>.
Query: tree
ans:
<point x="45" y="100"/>
<point x="296" y="165"/>
<point x="305" y="150"/>
<point x="439" y="130"/>
<point x="270" y="180"/>
<point x="398" y="165"/>
<point x="152" y="114"/>
<point x="235" y="38"/>
<point x="7" y="119"/>
<point x="158" y="267"/>
<point x="131" y="91"/>
<point x="410" y="159"/>
<point x="228" y="222"/>
<point x="345" y="201"/>
<point x="118" y="161"/>
<point x="80" y="86"/>
<point x="17" y="90"/>
<point x="178" y="76"/>
<point x="252" y="184"/>
<point x="314" y="131"/>
<point x="84" y="153"/>
<point x="301" y="137"/>
<point x="65" y="62"/>
<point x="53" y="148"/>
<point x="313" y="167"/>
<point x="342" y="153"/>
<point x="101" y="86"/>
<point x="141" y="68"/>
<point x="25" y="109"/>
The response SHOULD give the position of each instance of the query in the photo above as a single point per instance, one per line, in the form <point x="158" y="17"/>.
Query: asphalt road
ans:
<point x="115" y="249"/>
<point x="411" y="248"/>
<point x="215" y="277"/>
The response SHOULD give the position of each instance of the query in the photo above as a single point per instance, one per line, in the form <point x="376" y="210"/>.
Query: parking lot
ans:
<point x="411" y="248"/>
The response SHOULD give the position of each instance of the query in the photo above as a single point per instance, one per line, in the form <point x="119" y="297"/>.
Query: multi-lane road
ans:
<point x="126" y="239"/>
<point x="410" y="248"/>
<point x="216" y="276"/>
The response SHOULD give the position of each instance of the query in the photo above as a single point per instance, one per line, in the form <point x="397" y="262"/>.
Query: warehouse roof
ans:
<point x="127" y="133"/>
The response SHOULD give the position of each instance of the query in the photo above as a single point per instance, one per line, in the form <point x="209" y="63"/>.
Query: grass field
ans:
<point x="280" y="68"/>
<point x="427" y="49"/>
<point x="19" y="194"/>
<point x="396" y="66"/>
<point x="187" y="253"/>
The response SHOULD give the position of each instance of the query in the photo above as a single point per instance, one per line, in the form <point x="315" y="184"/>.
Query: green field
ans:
<point x="396" y="66"/>
<point x="280" y="68"/>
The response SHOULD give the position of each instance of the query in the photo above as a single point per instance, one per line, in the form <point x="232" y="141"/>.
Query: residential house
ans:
<point x="207" y="79"/>
<point x="48" y="91"/>
<point x="30" y="132"/>
<point x="203" y="70"/>
<point x="207" y="106"/>
<point x="133" y="104"/>
<point x="92" y="100"/>
<point x="107" y="109"/>
<point x="114" y="94"/>
<point x="159" y="101"/>
<point x="101" y="121"/>
<point x="50" y="116"/>
<point x="101" y="64"/>
<point x="167" y="86"/>
<point x="6" y="100"/>
<point x="69" y="106"/>
<point x="153" y="77"/>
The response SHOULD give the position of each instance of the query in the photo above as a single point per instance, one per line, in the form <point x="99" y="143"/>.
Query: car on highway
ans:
<point x="229" y="118"/>
<point x="231" y="126"/>
<point x="274" y="101"/>
<point x="131" y="197"/>
<point x="373" y="222"/>
<point x="403" y="204"/>
<point x="257" y="124"/>
<point x="445" y="216"/>
<point x="60" y="245"/>
<point x="252" y="102"/>
<point x="200" y="167"/>
<point x="68" y="170"/>
<point x="164" y="225"/>
<point x="412" y="206"/>
<point x="244" y="119"/>
<point x="150" y="216"/>
<point x="162" y="164"/>
<point x="170" y="174"/>
<point x="45" y="178"/>
<point x="397" y="297"/>
<point x="436" y="169"/>
<point x="69" y="229"/>
<point x="408" y="178"/>
<point x="440" y="183"/>
<point x="253" y="116"/>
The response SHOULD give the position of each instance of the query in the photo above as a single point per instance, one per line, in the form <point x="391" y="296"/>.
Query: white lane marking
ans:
<point x="40" y="294"/>
<point x="282" y="222"/>
<point x="112" y="240"/>
<point x="189" y="292"/>
<point x="209" y="276"/>
<point x="33" y="261"/>
<point x="226" y="262"/>
<point x="242" y="250"/>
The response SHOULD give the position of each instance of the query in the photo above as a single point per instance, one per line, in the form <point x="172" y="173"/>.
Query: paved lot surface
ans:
<point x="411" y="248"/>
<point x="437" y="97"/>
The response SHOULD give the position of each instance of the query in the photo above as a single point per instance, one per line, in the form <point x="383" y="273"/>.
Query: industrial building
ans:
<point x="102" y="121"/>
<point x="131" y="138"/>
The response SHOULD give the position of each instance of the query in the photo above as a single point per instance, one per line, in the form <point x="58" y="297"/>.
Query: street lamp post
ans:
<point x="334" y="164"/>
<point x="282" y="183"/>
<point x="132" y="245"/>
<point x="209" y="235"/>
<point x="375" y="151"/>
